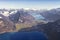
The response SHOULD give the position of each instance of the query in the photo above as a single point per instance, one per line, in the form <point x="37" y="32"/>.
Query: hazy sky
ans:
<point x="37" y="4"/>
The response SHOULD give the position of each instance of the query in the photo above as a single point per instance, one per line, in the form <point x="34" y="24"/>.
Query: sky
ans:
<point x="32" y="4"/>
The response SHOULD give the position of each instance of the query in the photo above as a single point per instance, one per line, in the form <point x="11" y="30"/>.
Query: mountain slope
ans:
<point x="51" y="29"/>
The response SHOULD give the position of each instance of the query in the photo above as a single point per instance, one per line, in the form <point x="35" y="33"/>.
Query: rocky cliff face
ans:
<point x="6" y="25"/>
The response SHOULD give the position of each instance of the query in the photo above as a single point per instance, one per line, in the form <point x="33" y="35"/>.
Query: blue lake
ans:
<point x="23" y="36"/>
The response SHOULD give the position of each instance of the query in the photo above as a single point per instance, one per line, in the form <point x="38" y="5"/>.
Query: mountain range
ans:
<point x="20" y="18"/>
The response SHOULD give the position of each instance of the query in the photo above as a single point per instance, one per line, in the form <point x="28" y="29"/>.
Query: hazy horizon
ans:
<point x="29" y="4"/>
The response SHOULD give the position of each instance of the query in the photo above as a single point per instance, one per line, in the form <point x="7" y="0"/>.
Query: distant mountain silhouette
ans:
<point x="51" y="15"/>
